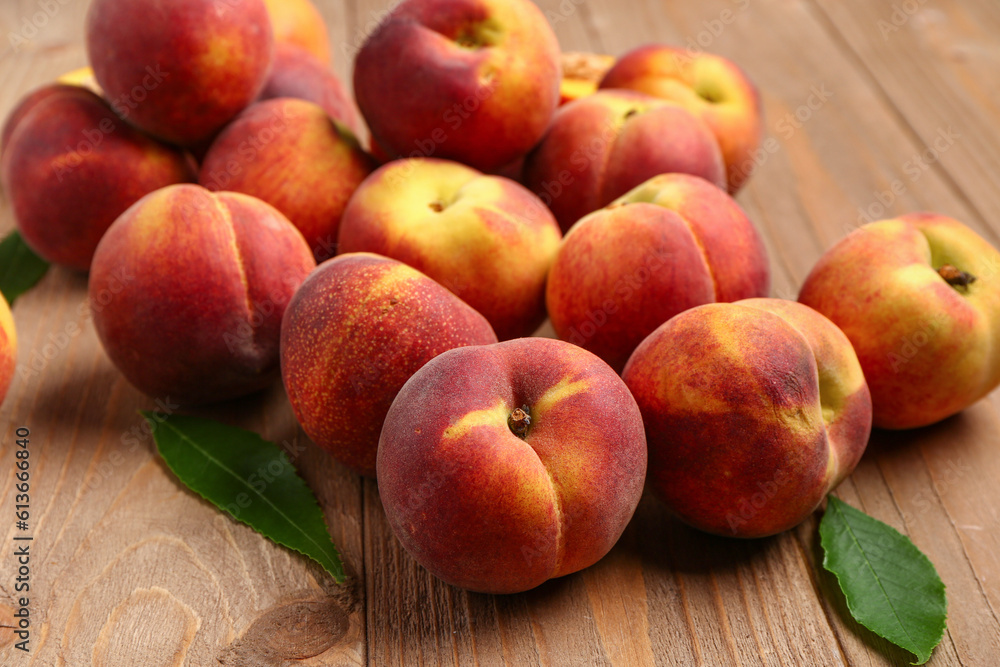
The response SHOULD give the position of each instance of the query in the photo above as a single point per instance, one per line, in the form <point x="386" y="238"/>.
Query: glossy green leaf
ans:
<point x="248" y="477"/>
<point x="891" y="587"/>
<point x="20" y="267"/>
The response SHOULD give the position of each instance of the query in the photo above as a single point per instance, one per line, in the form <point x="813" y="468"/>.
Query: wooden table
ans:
<point x="877" y="108"/>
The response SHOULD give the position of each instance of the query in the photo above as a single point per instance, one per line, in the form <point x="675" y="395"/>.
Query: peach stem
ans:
<point x="956" y="277"/>
<point x="519" y="421"/>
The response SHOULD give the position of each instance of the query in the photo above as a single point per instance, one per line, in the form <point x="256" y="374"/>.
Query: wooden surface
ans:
<point x="129" y="568"/>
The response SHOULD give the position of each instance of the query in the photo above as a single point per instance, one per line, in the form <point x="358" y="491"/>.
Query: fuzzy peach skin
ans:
<point x="179" y="70"/>
<point x="188" y="289"/>
<point x="486" y="509"/>
<point x="673" y="243"/>
<point x="299" y="23"/>
<point x="928" y="347"/>
<point x="603" y="145"/>
<point x="353" y="334"/>
<point x="297" y="73"/>
<point x="581" y="72"/>
<point x="8" y="348"/>
<point x="475" y="81"/>
<point x="710" y="86"/>
<point x="754" y="411"/>
<point x="71" y="166"/>
<point x="485" y="238"/>
<point x="289" y="153"/>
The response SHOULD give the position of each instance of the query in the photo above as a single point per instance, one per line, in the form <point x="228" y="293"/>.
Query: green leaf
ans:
<point x="248" y="477"/>
<point x="891" y="587"/>
<point x="20" y="267"/>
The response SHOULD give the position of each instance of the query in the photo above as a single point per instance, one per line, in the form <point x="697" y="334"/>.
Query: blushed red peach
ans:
<point x="289" y="153"/>
<point x="188" y="289"/>
<point x="353" y="334"/>
<point x="753" y="410"/>
<point x="919" y="297"/>
<point x="486" y="238"/>
<point x="179" y="70"/>
<point x="474" y="81"/>
<point x="71" y="167"/>
<point x="603" y="145"/>
<point x="710" y="86"/>
<point x="299" y="23"/>
<point x="673" y="243"/>
<point x="502" y="466"/>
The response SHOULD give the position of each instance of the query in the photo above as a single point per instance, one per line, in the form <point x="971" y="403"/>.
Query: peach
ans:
<point x="502" y="466"/>
<point x="710" y="86"/>
<point x="299" y="23"/>
<point x="673" y="243"/>
<point x="188" y="289"/>
<point x="581" y="72"/>
<point x="71" y="166"/>
<point x="919" y="297"/>
<point x="8" y="348"/>
<point x="486" y="238"/>
<point x="179" y="70"/>
<point x="289" y="153"/>
<point x="355" y="331"/>
<point x="83" y="77"/>
<point x="753" y="410"/>
<point x="603" y="145"/>
<point x="297" y="73"/>
<point x="475" y="81"/>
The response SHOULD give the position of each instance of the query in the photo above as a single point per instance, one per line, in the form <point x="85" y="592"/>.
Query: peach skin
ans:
<point x="754" y="411"/>
<point x="673" y="243"/>
<point x="502" y="466"/>
<point x="710" y="86"/>
<point x="356" y="330"/>
<point x="919" y="297"/>
<point x="603" y="145"/>
<point x="188" y="289"/>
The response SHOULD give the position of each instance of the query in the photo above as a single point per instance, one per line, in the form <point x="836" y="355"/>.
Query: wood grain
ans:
<point x="129" y="568"/>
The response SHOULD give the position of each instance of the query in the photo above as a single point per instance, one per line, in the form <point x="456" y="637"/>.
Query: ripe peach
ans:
<point x="919" y="297"/>
<point x="486" y="238"/>
<point x="581" y="72"/>
<point x="188" y="288"/>
<point x="754" y="411"/>
<point x="603" y="145"/>
<point x="710" y="86"/>
<point x="289" y="153"/>
<point x="356" y="330"/>
<point x="179" y="70"/>
<point x="475" y="81"/>
<point x="299" y="23"/>
<point x="674" y="242"/>
<point x="297" y="73"/>
<point x="502" y="466"/>
<point x="71" y="166"/>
